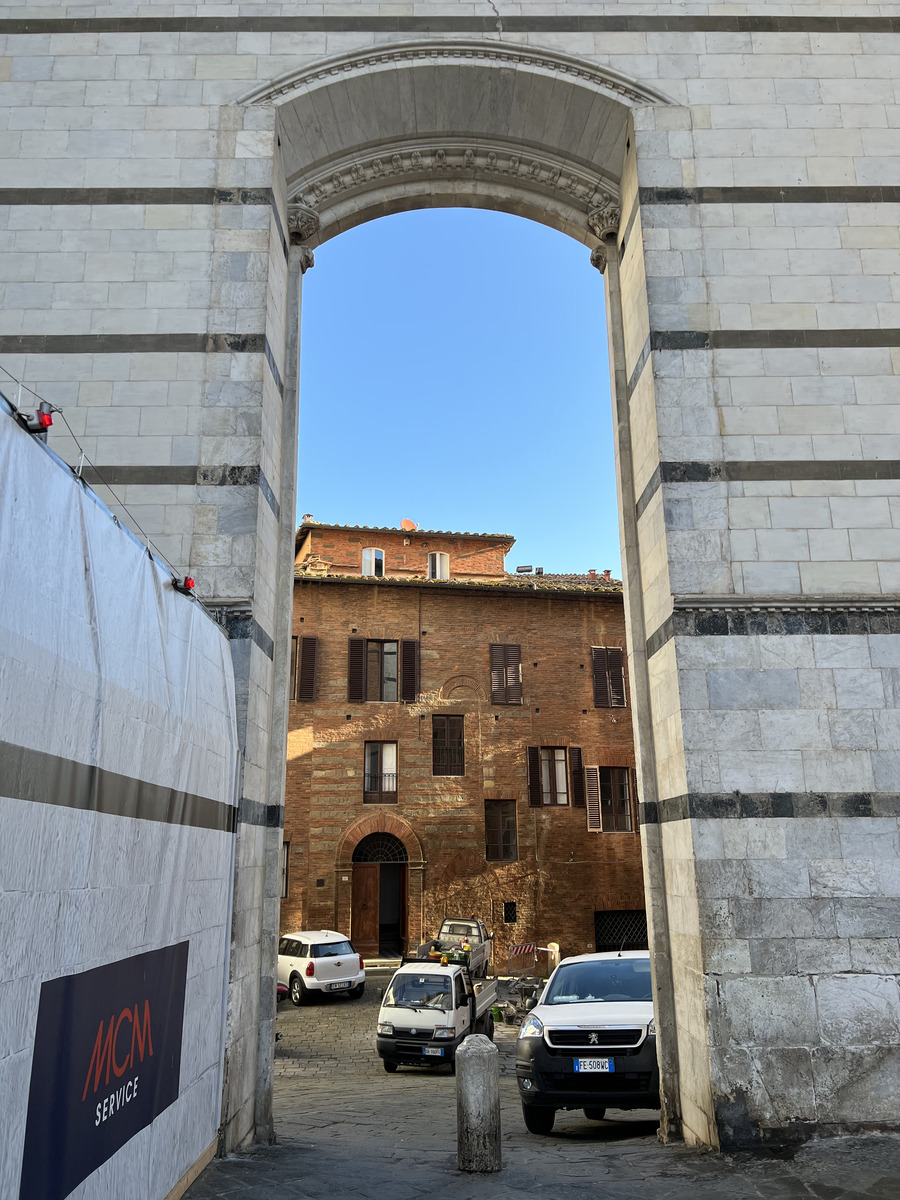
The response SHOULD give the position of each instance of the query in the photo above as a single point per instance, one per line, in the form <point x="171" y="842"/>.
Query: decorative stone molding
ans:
<point x="457" y="160"/>
<point x="461" y="684"/>
<point x="307" y="259"/>
<point x="303" y="222"/>
<point x="379" y="822"/>
<point x="605" y="217"/>
<point x="388" y="58"/>
<point x="598" y="257"/>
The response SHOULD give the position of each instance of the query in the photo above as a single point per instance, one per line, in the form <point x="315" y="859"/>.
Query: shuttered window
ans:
<point x="409" y="670"/>
<point x="304" y="675"/>
<point x="356" y="670"/>
<point x="592" y="790"/>
<point x="382" y="670"/>
<point x="506" y="673"/>
<point x="549" y="769"/>
<point x="608" y="666"/>
<point x="576" y="766"/>
<point x="608" y="799"/>
<point x="447" y="753"/>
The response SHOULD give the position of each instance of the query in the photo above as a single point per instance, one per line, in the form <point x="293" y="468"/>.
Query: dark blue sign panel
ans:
<point x="107" y="1061"/>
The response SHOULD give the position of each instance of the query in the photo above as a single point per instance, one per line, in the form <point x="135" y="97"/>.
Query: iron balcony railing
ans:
<point x="448" y="760"/>
<point x="380" y="781"/>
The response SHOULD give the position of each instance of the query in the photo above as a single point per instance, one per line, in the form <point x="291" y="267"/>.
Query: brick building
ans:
<point x="460" y="741"/>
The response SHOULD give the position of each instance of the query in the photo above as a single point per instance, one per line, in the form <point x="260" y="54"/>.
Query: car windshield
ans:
<point x="606" y="981"/>
<point x="332" y="950"/>
<point x="419" y="991"/>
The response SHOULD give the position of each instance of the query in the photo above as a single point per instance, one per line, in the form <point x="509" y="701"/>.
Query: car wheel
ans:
<point x="299" y="991"/>
<point x="538" y="1120"/>
<point x="389" y="1066"/>
<point x="452" y="1066"/>
<point x="356" y="992"/>
<point x="595" y="1114"/>
<point x="489" y="1026"/>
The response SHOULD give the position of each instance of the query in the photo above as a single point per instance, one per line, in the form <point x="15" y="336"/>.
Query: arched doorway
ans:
<point x="378" y="907"/>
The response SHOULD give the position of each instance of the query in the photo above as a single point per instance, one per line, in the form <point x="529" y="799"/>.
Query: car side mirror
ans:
<point x="531" y="1003"/>
<point x="490" y="937"/>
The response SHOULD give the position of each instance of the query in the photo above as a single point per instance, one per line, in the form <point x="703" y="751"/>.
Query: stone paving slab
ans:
<point x="347" y="1129"/>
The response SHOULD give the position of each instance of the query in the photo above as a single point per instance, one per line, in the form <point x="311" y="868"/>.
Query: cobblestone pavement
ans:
<point x="347" y="1129"/>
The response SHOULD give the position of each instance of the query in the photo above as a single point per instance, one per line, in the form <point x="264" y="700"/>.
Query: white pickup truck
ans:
<point x="427" y="1010"/>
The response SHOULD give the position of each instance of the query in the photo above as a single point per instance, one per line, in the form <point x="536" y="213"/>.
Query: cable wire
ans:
<point x="77" y="473"/>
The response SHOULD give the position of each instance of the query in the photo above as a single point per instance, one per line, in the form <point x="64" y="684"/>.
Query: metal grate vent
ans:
<point x="509" y="912"/>
<point x="380" y="847"/>
<point x="621" y="929"/>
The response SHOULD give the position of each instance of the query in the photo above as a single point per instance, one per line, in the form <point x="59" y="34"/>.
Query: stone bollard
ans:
<point x="478" y="1105"/>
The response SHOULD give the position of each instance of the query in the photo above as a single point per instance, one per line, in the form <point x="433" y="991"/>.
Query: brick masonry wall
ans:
<point x="563" y="873"/>
<point x="406" y="554"/>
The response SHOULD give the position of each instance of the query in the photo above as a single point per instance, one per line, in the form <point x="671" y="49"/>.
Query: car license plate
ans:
<point x="594" y="1064"/>
<point x="434" y="1051"/>
<point x="338" y="987"/>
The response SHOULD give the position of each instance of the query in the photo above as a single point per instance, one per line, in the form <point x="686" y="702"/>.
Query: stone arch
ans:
<point x="462" y="683"/>
<point x="453" y="124"/>
<point x="379" y="822"/>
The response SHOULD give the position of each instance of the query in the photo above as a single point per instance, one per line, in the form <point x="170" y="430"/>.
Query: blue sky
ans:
<point x="454" y="371"/>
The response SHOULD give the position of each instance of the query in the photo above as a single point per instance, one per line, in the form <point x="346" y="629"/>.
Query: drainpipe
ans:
<point x="606" y="259"/>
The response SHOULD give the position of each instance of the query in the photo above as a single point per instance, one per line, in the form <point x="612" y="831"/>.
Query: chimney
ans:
<point x="306" y="519"/>
<point x="606" y="574"/>
<point x="592" y="574"/>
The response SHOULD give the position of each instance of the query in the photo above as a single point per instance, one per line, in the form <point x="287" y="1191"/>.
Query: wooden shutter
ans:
<point x="576" y="765"/>
<point x="409" y="670"/>
<point x="608" y="666"/>
<point x="356" y="670"/>
<point x="295" y="651"/>
<point x="506" y="673"/>
<point x="513" y="674"/>
<point x="535" y="788"/>
<point x="306" y="672"/>
<point x="592" y="791"/>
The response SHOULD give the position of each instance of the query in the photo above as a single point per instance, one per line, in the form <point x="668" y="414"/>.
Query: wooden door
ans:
<point x="364" y="908"/>
<point x="404" y="909"/>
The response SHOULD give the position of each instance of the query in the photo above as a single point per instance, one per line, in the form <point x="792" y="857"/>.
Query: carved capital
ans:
<point x="604" y="218"/>
<point x="303" y="222"/>
<point x="307" y="259"/>
<point x="598" y="257"/>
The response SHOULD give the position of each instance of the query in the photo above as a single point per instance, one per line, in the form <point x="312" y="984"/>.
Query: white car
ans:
<point x="319" y="960"/>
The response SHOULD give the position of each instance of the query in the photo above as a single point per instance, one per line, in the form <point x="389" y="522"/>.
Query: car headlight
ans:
<point x="385" y="1027"/>
<point x="532" y="1027"/>
<point x="444" y="1031"/>
<point x="651" y="1027"/>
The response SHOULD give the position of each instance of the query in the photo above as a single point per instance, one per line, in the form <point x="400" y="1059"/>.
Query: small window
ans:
<point x="448" y="751"/>
<point x="283" y="945"/>
<point x="500" y="842"/>
<point x="509" y="912"/>
<point x="285" y="854"/>
<point x="506" y="673"/>
<point x="380" y="783"/>
<point x="438" y="566"/>
<point x="608" y="668"/>
<point x="373" y="562"/>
